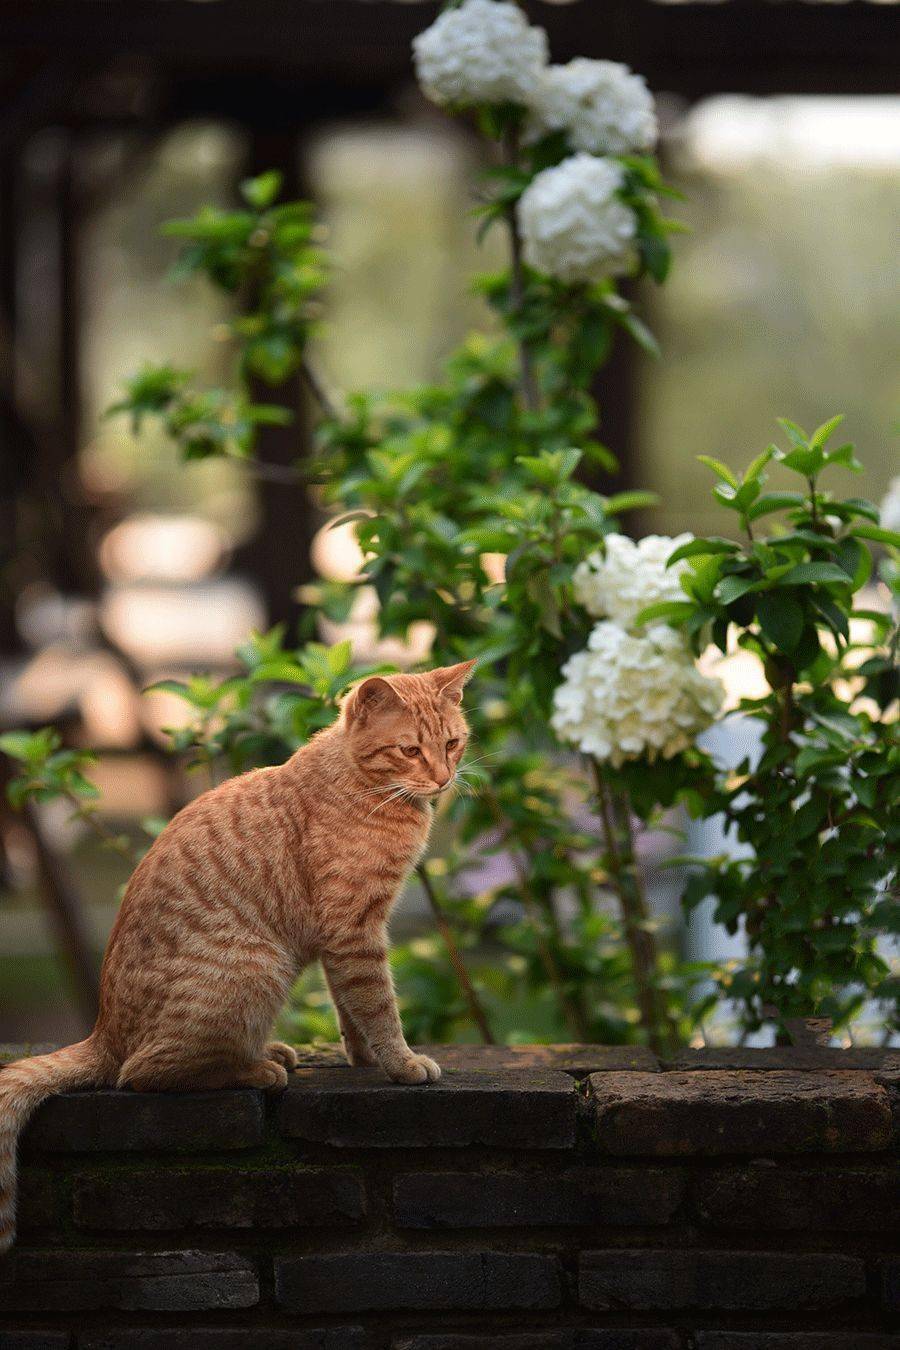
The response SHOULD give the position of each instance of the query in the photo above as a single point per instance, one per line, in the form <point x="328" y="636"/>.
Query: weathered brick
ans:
<point x="38" y="1281"/>
<point x="855" y="1199"/>
<point x="728" y="1111"/>
<point x="218" y="1197"/>
<point x="360" y="1281"/>
<point x="109" y="1121"/>
<point x="794" y="1057"/>
<point x="793" y="1340"/>
<point x="715" y="1279"/>
<point x="890" y="1284"/>
<point x="37" y="1200"/>
<point x="584" y="1195"/>
<point x="35" y="1340"/>
<point x="361" y="1109"/>
<point x="579" y="1338"/>
<point x="578" y="1060"/>
<point x="223" y="1338"/>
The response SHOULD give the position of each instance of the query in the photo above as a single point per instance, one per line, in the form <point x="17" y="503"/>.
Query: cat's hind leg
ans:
<point x="163" y="1067"/>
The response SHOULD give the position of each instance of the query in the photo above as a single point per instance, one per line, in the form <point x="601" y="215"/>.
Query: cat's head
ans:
<point x="407" y="733"/>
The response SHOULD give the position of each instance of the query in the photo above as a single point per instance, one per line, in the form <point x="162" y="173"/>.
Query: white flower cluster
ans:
<point x="483" y="52"/>
<point x="629" y="696"/>
<point x="629" y="576"/>
<point x="602" y="106"/>
<point x="890" y="506"/>
<point x="573" y="224"/>
<point x="632" y="694"/>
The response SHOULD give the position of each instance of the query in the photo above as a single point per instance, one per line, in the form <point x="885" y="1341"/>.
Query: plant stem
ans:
<point x="316" y="386"/>
<point x="479" y="1016"/>
<point x="530" y="390"/>
<point x="572" y="1009"/>
<point x="616" y="819"/>
<point x="111" y="840"/>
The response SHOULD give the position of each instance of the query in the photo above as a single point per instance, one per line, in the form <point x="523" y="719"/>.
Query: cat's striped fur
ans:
<point x="246" y="886"/>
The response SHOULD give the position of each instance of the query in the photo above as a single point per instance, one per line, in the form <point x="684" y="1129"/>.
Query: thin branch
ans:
<point x="317" y="388"/>
<point x="530" y="389"/>
<point x="635" y="912"/>
<point x="479" y="1016"/>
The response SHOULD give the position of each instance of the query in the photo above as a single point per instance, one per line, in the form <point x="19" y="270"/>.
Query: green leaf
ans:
<point x="774" y="501"/>
<point x="781" y="619"/>
<point x="730" y="588"/>
<point x="262" y="191"/>
<point x="721" y="470"/>
<point x="638" y="330"/>
<point x="822" y="433"/>
<point x="665" y="610"/>
<point x="629" y="501"/>
<point x="809" y="572"/>
<point x="698" y="548"/>
<point x="877" y="533"/>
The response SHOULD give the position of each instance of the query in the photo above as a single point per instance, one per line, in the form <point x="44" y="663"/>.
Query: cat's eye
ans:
<point x="451" y="745"/>
<point x="411" y="751"/>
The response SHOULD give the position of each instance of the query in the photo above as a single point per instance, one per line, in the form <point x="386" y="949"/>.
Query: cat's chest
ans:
<point x="370" y="854"/>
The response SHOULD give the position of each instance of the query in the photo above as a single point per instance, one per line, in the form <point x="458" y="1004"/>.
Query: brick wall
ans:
<point x="561" y="1198"/>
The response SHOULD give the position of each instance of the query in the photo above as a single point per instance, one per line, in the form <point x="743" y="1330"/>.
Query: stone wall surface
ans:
<point x="537" y="1198"/>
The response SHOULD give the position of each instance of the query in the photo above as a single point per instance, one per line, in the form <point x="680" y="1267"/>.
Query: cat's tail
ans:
<point x="23" y="1086"/>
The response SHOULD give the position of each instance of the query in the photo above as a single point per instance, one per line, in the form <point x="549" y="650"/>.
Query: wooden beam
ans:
<point x="750" y="46"/>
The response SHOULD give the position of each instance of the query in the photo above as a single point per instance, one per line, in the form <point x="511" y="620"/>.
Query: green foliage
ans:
<point x="47" y="771"/>
<point x="279" y="698"/>
<point x="265" y="257"/>
<point x="818" y="811"/>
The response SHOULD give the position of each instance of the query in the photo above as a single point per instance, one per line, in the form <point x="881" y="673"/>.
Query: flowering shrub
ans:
<point x="574" y="225"/>
<point x="600" y="106"/>
<point x="627" y="576"/>
<point x="629" y="696"/>
<point x="480" y="53"/>
<point x="816" y="809"/>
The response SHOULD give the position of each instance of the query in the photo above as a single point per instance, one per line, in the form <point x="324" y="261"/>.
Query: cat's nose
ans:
<point x="442" y="782"/>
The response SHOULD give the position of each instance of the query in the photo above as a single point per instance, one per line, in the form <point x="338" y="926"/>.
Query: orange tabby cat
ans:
<point x="246" y="886"/>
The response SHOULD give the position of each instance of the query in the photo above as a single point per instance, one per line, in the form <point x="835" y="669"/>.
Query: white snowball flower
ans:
<point x="601" y="105"/>
<point x="483" y="52"/>
<point x="626" y="697"/>
<point x="890" y="506"/>
<point x="573" y="225"/>
<point x="629" y="576"/>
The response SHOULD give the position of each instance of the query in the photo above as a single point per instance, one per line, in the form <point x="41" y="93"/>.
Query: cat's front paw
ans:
<point x="416" y="1069"/>
<point x="283" y="1054"/>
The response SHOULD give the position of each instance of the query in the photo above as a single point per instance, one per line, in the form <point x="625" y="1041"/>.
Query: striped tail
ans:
<point x="23" y="1086"/>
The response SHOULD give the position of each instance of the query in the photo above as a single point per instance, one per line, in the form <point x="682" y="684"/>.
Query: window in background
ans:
<point x="783" y="300"/>
<point x="395" y="200"/>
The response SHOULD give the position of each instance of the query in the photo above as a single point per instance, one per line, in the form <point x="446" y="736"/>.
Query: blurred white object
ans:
<point x="603" y="107"/>
<point x="146" y="547"/>
<point x="572" y="222"/>
<point x="195" y="625"/>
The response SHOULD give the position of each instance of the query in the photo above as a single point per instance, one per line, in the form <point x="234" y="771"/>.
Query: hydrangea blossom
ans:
<point x="626" y="696"/>
<point x="572" y="223"/>
<point x="483" y="52"/>
<point x="603" y="108"/>
<point x="890" y="506"/>
<point x="629" y="576"/>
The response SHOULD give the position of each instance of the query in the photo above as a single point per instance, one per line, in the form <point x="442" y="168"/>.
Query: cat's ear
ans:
<point x="450" y="680"/>
<point x="373" y="696"/>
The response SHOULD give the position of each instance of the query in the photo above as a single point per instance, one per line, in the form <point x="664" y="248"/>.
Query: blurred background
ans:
<point x="119" y="566"/>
